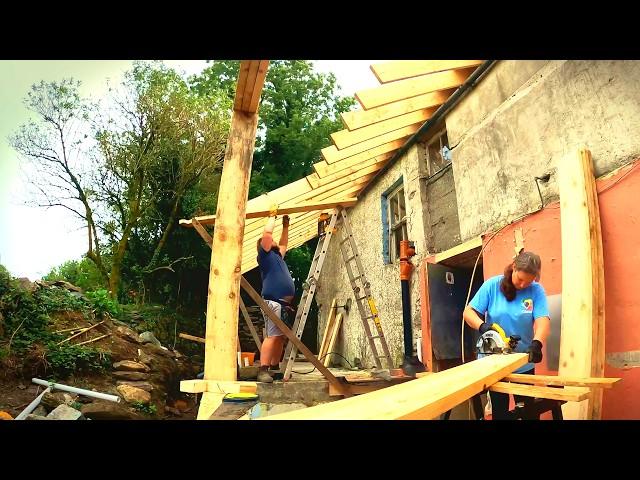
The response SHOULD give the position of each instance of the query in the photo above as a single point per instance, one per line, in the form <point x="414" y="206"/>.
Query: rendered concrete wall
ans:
<point x="366" y="222"/>
<point x="526" y="115"/>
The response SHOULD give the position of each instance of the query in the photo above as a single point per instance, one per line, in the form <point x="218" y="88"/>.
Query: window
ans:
<point x="396" y="222"/>
<point x="438" y="152"/>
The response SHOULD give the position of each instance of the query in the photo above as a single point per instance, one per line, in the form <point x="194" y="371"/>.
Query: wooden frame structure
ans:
<point x="410" y="93"/>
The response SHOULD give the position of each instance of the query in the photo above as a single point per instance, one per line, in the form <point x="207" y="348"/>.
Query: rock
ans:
<point x="152" y="348"/>
<point x="248" y="373"/>
<point x="40" y="410"/>
<point x="105" y="410"/>
<point x="144" y="357"/>
<point x="149" y="337"/>
<point x="127" y="334"/>
<point x="133" y="394"/>
<point x="51" y="400"/>
<point x="131" y="366"/>
<point x="131" y="375"/>
<point x="67" y="286"/>
<point x="26" y="284"/>
<point x="64" y="412"/>
<point x="31" y="416"/>
<point x="172" y="411"/>
<point x="146" y="386"/>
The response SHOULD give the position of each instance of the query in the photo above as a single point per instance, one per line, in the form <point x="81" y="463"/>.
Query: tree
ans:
<point x="299" y="108"/>
<point x="172" y="139"/>
<point x="54" y="151"/>
<point x="149" y="147"/>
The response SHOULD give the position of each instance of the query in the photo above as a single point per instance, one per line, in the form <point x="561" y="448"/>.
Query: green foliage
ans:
<point x="83" y="274"/>
<point x="149" y="409"/>
<point x="103" y="303"/>
<point x="26" y="323"/>
<point x="299" y="108"/>
<point x="76" y="405"/>
<point x="66" y="359"/>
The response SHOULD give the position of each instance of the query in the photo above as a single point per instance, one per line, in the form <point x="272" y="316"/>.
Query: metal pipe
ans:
<point x="32" y="406"/>
<point x="406" y="318"/>
<point x="79" y="391"/>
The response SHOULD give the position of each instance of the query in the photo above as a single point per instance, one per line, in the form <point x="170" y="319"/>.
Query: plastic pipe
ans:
<point x="79" y="391"/>
<point x="32" y="406"/>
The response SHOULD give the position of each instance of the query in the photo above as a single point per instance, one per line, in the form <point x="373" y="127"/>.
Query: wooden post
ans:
<point x="292" y="338"/>
<point x="226" y="254"/>
<point x="582" y="328"/>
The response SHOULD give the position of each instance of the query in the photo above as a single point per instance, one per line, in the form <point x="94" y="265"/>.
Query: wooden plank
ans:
<point x="193" y="338"/>
<point x="209" y="403"/>
<point x="470" y="244"/>
<point x="369" y="387"/>
<point x="329" y="172"/>
<point x="393" y="92"/>
<point x="254" y="100"/>
<point x="334" y="338"/>
<point x="292" y="338"/>
<point x="346" y="138"/>
<point x="420" y="399"/>
<point x="325" y="338"/>
<point x="425" y="317"/>
<point x="372" y="147"/>
<point x="226" y="254"/>
<point x="241" y="84"/>
<point x="553" y="393"/>
<point x="362" y="118"/>
<point x="208" y="239"/>
<point x="252" y="75"/>
<point x="214" y="386"/>
<point x="604" y="382"/>
<point x="401" y="69"/>
<point x="598" y="359"/>
<point x="301" y="207"/>
<point x="252" y="329"/>
<point x="582" y="288"/>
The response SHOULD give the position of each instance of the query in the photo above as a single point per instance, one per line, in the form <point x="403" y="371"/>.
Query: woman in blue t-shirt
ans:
<point x="518" y="303"/>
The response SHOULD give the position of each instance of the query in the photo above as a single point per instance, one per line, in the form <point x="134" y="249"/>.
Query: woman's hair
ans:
<point x="527" y="262"/>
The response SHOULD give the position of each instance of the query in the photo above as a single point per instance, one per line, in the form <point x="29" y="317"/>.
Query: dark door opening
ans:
<point x="448" y="289"/>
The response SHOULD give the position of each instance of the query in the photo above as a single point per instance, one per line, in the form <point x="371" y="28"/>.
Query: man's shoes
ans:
<point x="264" y="377"/>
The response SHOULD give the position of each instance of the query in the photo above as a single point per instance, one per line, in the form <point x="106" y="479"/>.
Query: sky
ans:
<point x="34" y="240"/>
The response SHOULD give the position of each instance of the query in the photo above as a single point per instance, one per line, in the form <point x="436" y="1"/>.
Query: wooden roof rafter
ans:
<point x="372" y="138"/>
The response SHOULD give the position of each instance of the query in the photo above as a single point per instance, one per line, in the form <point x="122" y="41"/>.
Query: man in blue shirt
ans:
<point x="278" y="291"/>
<point x="517" y="303"/>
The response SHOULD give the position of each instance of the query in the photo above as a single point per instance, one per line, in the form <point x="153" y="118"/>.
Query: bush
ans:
<point x="26" y="324"/>
<point x="103" y="303"/>
<point x="83" y="274"/>
<point x="66" y="359"/>
<point x="149" y="409"/>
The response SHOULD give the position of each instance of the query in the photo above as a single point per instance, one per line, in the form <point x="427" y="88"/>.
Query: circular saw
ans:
<point x="495" y="341"/>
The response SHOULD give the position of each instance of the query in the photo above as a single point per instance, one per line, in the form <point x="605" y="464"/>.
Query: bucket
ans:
<point x="246" y="358"/>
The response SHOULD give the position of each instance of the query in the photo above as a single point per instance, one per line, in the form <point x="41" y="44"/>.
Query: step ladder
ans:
<point x="359" y="284"/>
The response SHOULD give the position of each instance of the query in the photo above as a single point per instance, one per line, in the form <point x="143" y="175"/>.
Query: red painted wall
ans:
<point x="619" y="202"/>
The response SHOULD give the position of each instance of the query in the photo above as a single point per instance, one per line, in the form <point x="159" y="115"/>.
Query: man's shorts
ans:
<point x="272" y="329"/>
